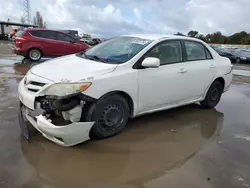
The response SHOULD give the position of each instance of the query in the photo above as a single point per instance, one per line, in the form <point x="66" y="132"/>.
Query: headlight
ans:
<point x="243" y="58"/>
<point x="63" y="89"/>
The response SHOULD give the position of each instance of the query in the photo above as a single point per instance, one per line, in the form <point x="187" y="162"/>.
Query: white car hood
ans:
<point x="71" y="69"/>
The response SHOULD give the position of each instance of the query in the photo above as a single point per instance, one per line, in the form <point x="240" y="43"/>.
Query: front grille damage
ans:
<point x="63" y="110"/>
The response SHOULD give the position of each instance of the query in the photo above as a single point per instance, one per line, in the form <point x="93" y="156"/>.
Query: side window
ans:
<point x="195" y="51"/>
<point x="168" y="52"/>
<point x="35" y="33"/>
<point x="47" y="35"/>
<point x="63" y="37"/>
<point x="208" y="54"/>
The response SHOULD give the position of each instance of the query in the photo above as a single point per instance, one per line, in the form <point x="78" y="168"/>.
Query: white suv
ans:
<point x="95" y="92"/>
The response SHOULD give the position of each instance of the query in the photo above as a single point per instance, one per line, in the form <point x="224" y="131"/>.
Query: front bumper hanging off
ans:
<point x="32" y="117"/>
<point x="67" y="135"/>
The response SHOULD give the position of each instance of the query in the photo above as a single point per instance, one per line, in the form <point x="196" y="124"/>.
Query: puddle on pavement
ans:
<point x="9" y="61"/>
<point x="241" y="72"/>
<point x="149" y="146"/>
<point x="15" y="66"/>
<point x="143" y="151"/>
<point x="7" y="70"/>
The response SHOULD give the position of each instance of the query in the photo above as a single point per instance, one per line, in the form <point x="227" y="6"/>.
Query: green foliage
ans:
<point x="245" y="40"/>
<point x="201" y="37"/>
<point x="218" y="38"/>
<point x="193" y="33"/>
<point x="180" y="34"/>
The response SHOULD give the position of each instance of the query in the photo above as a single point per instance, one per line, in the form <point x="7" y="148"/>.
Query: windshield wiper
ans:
<point x="94" y="57"/>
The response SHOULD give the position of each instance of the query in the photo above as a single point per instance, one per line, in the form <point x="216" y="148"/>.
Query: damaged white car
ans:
<point x="96" y="92"/>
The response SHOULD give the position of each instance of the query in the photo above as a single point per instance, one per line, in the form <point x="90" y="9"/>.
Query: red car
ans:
<point x="37" y="43"/>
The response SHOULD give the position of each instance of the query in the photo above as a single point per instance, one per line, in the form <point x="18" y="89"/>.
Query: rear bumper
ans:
<point x="19" y="51"/>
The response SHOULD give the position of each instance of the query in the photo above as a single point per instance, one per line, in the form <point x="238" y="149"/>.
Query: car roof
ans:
<point x="42" y="29"/>
<point x="160" y="36"/>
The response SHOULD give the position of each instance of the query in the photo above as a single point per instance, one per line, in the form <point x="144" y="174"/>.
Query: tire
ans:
<point x="237" y="61"/>
<point x="27" y="130"/>
<point x="213" y="95"/>
<point x="110" y="114"/>
<point x="34" y="54"/>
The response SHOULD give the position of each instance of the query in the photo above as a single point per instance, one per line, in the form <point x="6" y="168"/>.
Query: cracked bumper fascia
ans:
<point x="69" y="135"/>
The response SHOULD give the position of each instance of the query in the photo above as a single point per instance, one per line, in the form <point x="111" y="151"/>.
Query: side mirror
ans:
<point x="151" y="62"/>
<point x="72" y="41"/>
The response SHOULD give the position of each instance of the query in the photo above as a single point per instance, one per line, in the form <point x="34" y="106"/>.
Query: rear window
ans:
<point x="19" y="33"/>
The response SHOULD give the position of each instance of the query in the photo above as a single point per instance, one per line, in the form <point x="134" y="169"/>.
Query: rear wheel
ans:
<point x="34" y="54"/>
<point x="110" y="114"/>
<point x="213" y="95"/>
<point x="237" y="61"/>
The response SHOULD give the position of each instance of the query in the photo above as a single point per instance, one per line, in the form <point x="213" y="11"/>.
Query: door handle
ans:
<point x="212" y="66"/>
<point x="183" y="71"/>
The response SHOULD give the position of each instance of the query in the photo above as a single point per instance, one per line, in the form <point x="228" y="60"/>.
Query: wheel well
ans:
<point x="127" y="97"/>
<point x="222" y="81"/>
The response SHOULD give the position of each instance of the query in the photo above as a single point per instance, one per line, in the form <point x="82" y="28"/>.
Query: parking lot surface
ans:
<point x="182" y="147"/>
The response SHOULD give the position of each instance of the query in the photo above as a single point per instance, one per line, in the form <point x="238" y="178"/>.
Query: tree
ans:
<point x="202" y="37"/>
<point x="237" y="38"/>
<point x="193" y="33"/>
<point x="22" y="20"/>
<point x="245" y="40"/>
<point x="38" y="20"/>
<point x="218" y="38"/>
<point x="208" y="38"/>
<point x="180" y="34"/>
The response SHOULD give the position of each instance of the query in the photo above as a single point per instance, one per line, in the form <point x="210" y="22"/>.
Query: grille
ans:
<point x="33" y="90"/>
<point x="37" y="83"/>
<point x="34" y="86"/>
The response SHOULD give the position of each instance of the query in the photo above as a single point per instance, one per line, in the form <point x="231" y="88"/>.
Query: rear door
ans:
<point x="46" y="42"/>
<point x="199" y="68"/>
<point x="68" y="44"/>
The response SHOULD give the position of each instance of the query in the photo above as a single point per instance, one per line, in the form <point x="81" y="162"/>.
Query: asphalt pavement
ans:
<point x="182" y="147"/>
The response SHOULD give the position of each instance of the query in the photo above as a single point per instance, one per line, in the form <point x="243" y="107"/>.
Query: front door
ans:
<point x="162" y="86"/>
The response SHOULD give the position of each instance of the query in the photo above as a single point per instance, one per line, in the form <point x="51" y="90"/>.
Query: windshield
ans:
<point x="117" y="50"/>
<point x="241" y="52"/>
<point x="222" y="50"/>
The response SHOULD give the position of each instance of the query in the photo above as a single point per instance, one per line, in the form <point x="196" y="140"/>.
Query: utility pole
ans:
<point x="26" y="10"/>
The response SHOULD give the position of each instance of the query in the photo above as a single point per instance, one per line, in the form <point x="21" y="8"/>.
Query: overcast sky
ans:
<point x="115" y="17"/>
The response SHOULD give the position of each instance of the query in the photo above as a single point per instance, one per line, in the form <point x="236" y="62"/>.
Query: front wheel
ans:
<point x="110" y="114"/>
<point x="213" y="95"/>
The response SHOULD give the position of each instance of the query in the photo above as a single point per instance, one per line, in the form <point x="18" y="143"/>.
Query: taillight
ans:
<point x="18" y="41"/>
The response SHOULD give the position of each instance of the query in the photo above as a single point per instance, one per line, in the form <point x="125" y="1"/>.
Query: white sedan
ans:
<point x="96" y="92"/>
